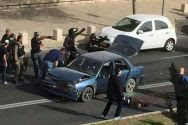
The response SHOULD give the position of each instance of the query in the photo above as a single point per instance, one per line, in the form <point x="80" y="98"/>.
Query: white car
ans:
<point x="156" y="31"/>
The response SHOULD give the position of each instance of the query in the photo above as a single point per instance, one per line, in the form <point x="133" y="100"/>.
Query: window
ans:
<point x="146" y="27"/>
<point x="122" y="64"/>
<point x="126" y="24"/>
<point x="159" y="25"/>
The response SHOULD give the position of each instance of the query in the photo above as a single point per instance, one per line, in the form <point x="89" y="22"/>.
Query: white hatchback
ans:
<point x="156" y="31"/>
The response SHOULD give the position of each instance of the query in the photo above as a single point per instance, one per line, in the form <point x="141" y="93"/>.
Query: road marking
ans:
<point x="40" y="101"/>
<point x="20" y="104"/>
<point x="173" y="57"/>
<point x="154" y="85"/>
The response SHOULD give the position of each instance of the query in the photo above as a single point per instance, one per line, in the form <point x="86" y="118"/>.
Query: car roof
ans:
<point x="145" y="17"/>
<point x="102" y="56"/>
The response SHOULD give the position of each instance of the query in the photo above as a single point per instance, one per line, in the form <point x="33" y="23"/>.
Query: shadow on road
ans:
<point x="181" y="49"/>
<point x="69" y="111"/>
<point x="29" y="86"/>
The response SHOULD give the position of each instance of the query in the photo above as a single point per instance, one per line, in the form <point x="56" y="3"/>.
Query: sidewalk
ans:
<point x="44" y="20"/>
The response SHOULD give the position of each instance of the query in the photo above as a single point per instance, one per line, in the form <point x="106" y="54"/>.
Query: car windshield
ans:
<point x="126" y="24"/>
<point x="85" y="65"/>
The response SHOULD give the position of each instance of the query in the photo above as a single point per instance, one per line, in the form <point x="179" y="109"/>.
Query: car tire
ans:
<point x="169" y="45"/>
<point x="130" y="86"/>
<point x="87" y="94"/>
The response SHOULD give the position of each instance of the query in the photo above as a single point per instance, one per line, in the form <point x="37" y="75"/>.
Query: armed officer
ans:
<point x="19" y="53"/>
<point x="36" y="55"/>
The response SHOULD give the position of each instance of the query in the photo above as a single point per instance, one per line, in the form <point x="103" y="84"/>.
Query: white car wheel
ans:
<point x="169" y="45"/>
<point x="131" y="85"/>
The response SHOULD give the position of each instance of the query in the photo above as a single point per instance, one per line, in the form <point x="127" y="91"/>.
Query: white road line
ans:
<point x="20" y="104"/>
<point x="154" y="85"/>
<point x="173" y="57"/>
<point x="40" y="101"/>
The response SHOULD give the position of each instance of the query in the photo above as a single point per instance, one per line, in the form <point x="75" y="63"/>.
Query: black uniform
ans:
<point x="36" y="55"/>
<point x="5" y="37"/>
<point x="114" y="93"/>
<point x="181" y="95"/>
<point x="94" y="43"/>
<point x="69" y="44"/>
<point x="3" y="51"/>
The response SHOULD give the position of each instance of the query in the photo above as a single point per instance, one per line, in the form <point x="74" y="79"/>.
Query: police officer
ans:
<point x="3" y="60"/>
<point x="19" y="53"/>
<point x="12" y="42"/>
<point x="94" y="43"/>
<point x="36" y="55"/>
<point x="69" y="42"/>
<point x="6" y="36"/>
<point x="180" y="82"/>
<point x="114" y="93"/>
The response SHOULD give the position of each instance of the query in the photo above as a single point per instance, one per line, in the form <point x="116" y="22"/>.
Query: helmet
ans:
<point x="72" y="31"/>
<point x="93" y="36"/>
<point x="36" y="34"/>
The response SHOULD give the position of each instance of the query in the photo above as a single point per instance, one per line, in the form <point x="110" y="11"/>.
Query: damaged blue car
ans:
<point x="88" y="74"/>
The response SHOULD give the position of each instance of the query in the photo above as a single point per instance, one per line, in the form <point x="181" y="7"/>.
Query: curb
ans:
<point x="55" y="3"/>
<point x="130" y="117"/>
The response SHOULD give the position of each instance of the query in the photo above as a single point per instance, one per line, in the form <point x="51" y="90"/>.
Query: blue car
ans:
<point x="88" y="74"/>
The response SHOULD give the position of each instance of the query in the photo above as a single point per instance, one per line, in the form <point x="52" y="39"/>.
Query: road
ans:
<point x="25" y="104"/>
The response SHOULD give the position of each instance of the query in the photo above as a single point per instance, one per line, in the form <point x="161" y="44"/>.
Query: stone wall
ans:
<point x="9" y="3"/>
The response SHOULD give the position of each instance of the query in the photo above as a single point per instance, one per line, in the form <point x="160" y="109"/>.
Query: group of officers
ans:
<point x="12" y="53"/>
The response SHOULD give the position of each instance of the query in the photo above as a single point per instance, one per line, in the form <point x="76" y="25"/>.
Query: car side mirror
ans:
<point x="140" y="32"/>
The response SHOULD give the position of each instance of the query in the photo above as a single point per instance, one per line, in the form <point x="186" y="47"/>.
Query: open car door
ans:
<point x="126" y="46"/>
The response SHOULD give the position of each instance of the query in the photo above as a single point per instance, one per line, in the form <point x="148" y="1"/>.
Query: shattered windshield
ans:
<point x="126" y="24"/>
<point x="85" y="65"/>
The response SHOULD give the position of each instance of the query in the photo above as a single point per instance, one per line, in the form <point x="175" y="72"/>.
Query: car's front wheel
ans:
<point x="87" y="94"/>
<point x="131" y="85"/>
<point x="169" y="45"/>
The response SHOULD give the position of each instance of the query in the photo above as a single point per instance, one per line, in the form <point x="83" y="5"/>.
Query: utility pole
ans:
<point x="134" y="6"/>
<point x="163" y="7"/>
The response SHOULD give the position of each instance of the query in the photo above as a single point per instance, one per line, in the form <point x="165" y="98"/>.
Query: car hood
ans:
<point x="112" y="33"/>
<point x="126" y="46"/>
<point x="68" y="75"/>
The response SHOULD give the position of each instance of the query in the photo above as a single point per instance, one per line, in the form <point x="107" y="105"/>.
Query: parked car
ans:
<point x="156" y="31"/>
<point x="88" y="74"/>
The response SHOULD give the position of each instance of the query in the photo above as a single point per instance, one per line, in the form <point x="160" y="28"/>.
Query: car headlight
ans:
<point x="71" y="86"/>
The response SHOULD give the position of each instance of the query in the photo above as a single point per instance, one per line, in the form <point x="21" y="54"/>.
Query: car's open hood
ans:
<point x="125" y="46"/>
<point x="67" y="74"/>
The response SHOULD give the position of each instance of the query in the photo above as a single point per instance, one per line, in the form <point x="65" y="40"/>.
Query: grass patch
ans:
<point x="158" y="119"/>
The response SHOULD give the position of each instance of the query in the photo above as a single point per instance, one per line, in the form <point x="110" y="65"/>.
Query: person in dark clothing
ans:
<point x="6" y="36"/>
<point x="180" y="82"/>
<point x="94" y="43"/>
<point x="19" y="53"/>
<point x="114" y="93"/>
<point x="36" y="55"/>
<point x="10" y="55"/>
<point x="3" y="60"/>
<point x="69" y="42"/>
<point x="51" y="61"/>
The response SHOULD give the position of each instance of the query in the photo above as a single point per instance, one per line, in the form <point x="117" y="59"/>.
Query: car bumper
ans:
<point x="51" y="88"/>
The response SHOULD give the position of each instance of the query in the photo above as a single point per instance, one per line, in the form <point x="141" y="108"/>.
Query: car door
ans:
<point x="102" y="78"/>
<point x="125" y="70"/>
<point x="162" y="33"/>
<point x="145" y="32"/>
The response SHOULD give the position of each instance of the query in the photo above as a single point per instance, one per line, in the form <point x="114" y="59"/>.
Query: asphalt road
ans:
<point x="46" y="109"/>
